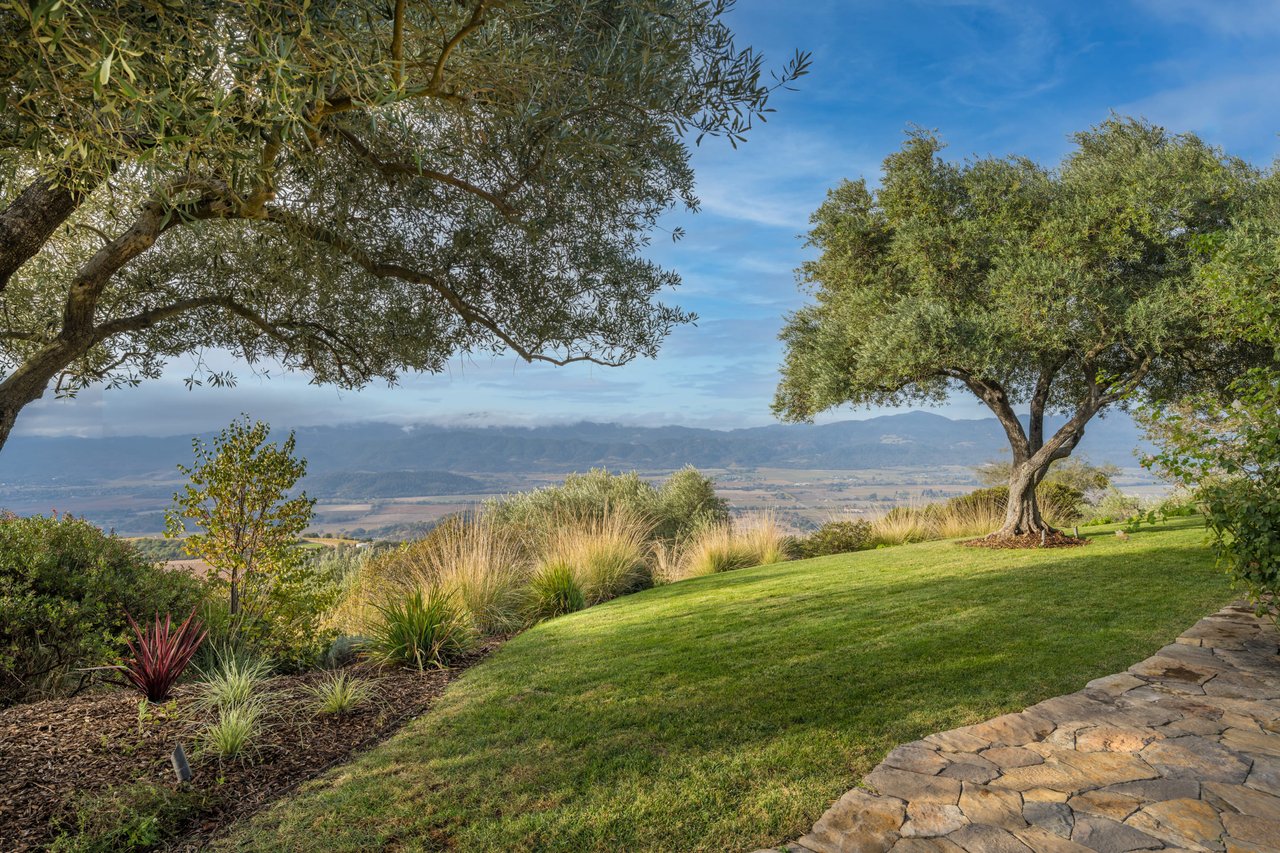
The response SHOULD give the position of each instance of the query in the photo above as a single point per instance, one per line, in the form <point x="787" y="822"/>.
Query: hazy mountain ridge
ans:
<point x="343" y="458"/>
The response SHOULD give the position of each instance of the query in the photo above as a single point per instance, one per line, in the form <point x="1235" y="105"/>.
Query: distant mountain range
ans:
<point x="387" y="460"/>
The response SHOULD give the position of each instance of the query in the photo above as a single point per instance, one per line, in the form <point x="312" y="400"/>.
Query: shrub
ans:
<point x="685" y="502"/>
<point x="64" y="590"/>
<point x="608" y="553"/>
<point x="554" y="591"/>
<point x="340" y="693"/>
<point x="837" y="537"/>
<point x="688" y="501"/>
<point x="134" y="817"/>
<point x="161" y="655"/>
<point x="420" y="630"/>
<point x="582" y="496"/>
<point x="236" y="727"/>
<point x="1230" y="453"/>
<point x="233" y="680"/>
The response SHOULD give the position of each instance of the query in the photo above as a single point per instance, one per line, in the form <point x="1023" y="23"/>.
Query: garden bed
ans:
<point x="57" y="753"/>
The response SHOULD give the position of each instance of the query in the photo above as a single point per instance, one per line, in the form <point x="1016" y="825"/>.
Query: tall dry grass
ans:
<point x="475" y="562"/>
<point x="608" y="554"/>
<point x="757" y="541"/>
<point x="969" y="519"/>
<point x="901" y="525"/>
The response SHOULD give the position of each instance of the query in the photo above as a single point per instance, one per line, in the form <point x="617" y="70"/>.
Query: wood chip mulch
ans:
<point x="1028" y="540"/>
<point x="53" y="751"/>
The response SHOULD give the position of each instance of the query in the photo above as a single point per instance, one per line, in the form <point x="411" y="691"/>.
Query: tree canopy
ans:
<point x="1064" y="291"/>
<point x="352" y="189"/>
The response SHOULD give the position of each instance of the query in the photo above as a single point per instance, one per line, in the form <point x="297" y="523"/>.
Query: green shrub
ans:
<point x="554" y="591"/>
<point x="682" y="504"/>
<point x="687" y="501"/>
<point x="132" y="817"/>
<point x="420" y="631"/>
<point x="837" y="537"/>
<point x="340" y="693"/>
<point x="65" y="587"/>
<point x="1230" y="454"/>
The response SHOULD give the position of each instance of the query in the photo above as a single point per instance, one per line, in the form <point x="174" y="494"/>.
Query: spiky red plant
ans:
<point x="161" y="655"/>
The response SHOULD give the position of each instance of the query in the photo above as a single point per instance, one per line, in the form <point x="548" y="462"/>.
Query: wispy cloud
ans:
<point x="1241" y="18"/>
<point x="1238" y="111"/>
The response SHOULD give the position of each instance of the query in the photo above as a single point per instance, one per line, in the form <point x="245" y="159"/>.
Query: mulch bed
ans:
<point x="1028" y="540"/>
<point x="52" y="752"/>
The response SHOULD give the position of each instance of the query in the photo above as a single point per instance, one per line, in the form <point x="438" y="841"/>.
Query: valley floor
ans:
<point x="728" y="712"/>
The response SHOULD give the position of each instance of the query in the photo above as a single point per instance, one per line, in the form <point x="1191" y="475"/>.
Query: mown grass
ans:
<point x="726" y="712"/>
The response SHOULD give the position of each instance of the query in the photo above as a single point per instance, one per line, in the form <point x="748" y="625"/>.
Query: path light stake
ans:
<point x="180" y="766"/>
<point x="1076" y="531"/>
<point x="1042" y="538"/>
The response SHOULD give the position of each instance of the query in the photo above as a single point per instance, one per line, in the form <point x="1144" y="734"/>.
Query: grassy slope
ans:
<point x="726" y="712"/>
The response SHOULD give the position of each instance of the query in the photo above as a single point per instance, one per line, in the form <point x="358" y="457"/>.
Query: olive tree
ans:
<point x="1066" y="291"/>
<point x="352" y="189"/>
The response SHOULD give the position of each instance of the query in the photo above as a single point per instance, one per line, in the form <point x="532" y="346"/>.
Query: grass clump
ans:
<point x="340" y="693"/>
<point x="716" y="549"/>
<point x="760" y="540"/>
<point x="767" y="540"/>
<point x="477" y="561"/>
<point x="554" y="591"/>
<point x="234" y="730"/>
<point x="608" y="554"/>
<point x="420" y="630"/>
<point x="233" y="680"/>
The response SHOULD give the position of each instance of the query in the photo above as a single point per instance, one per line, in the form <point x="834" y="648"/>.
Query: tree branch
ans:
<point x="28" y="222"/>
<point x="392" y="168"/>
<point x="469" y="313"/>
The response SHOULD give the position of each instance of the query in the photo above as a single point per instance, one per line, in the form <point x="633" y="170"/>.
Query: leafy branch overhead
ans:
<point x="352" y="189"/>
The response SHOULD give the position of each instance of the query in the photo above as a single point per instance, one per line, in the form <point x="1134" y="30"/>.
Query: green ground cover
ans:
<point x="726" y="712"/>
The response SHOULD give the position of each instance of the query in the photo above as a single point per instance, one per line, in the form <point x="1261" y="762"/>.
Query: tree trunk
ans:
<point x="1022" y="514"/>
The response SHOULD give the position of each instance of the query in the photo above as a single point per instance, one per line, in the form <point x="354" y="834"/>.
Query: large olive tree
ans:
<point x="352" y="188"/>
<point x="1063" y="291"/>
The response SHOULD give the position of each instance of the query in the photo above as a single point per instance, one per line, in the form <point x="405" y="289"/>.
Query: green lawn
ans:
<point x="727" y="712"/>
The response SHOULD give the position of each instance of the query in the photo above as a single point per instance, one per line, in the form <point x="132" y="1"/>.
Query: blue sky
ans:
<point x="993" y="77"/>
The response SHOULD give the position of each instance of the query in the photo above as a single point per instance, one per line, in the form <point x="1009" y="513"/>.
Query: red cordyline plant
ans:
<point x="161" y="654"/>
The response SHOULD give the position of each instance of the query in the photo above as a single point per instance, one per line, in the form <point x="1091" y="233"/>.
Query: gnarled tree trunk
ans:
<point x="1022" y="513"/>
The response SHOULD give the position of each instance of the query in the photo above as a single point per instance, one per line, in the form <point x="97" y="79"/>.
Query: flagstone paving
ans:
<point x="1182" y="752"/>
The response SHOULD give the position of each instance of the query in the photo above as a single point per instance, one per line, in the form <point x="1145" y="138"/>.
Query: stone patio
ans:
<point x="1182" y="752"/>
